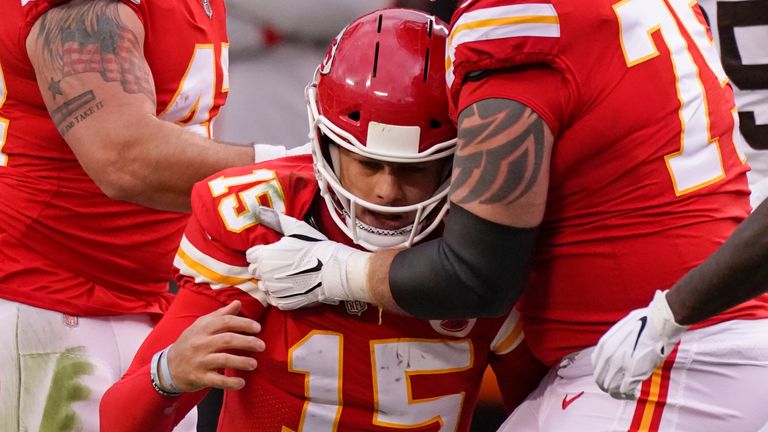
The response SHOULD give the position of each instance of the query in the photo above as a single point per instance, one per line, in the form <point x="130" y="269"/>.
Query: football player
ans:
<point x="737" y="271"/>
<point x="597" y="146"/>
<point x="106" y="109"/>
<point x="382" y="145"/>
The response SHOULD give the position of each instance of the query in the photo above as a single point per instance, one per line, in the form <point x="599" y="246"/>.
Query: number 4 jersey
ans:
<point x="65" y="245"/>
<point x="646" y="180"/>
<point x="349" y="367"/>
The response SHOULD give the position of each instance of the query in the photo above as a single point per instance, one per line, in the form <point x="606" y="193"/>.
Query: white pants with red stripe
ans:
<point x="715" y="380"/>
<point x="55" y="367"/>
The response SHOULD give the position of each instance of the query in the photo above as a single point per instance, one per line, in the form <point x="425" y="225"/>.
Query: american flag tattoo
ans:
<point x="89" y="37"/>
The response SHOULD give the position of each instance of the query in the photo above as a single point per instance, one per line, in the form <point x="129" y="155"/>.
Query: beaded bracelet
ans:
<point x="160" y="362"/>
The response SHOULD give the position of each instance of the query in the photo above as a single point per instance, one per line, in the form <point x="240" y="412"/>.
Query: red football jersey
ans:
<point x="645" y="179"/>
<point x="65" y="245"/>
<point x="349" y="367"/>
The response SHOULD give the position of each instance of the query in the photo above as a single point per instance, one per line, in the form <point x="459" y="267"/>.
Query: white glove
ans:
<point x="305" y="268"/>
<point x="266" y="152"/>
<point x="629" y="352"/>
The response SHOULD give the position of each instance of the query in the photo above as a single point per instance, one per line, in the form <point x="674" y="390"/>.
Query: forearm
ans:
<point x="159" y="170"/>
<point x="107" y="115"/>
<point x="149" y="411"/>
<point x="479" y="268"/>
<point x="736" y="272"/>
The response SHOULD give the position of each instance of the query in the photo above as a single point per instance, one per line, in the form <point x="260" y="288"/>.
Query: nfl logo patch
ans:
<point x="355" y="307"/>
<point x="453" y="328"/>
<point x="70" y="321"/>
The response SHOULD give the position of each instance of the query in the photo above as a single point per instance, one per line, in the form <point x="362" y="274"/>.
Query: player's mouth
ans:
<point x="387" y="221"/>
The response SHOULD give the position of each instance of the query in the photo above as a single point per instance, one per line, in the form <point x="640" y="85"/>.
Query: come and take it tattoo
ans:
<point x="500" y="152"/>
<point x="88" y="36"/>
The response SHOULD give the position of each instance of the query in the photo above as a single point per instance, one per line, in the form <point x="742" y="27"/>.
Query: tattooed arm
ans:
<point x="498" y="194"/>
<point x="98" y="88"/>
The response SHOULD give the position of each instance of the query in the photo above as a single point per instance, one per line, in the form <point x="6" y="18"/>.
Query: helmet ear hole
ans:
<point x="435" y="124"/>
<point x="354" y="116"/>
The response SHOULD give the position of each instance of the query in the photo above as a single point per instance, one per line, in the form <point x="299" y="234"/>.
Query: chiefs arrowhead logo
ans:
<point x="454" y="325"/>
<point x="455" y="328"/>
<point x="325" y="66"/>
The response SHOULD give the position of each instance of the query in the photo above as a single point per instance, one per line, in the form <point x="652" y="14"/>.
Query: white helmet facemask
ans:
<point x="386" y="143"/>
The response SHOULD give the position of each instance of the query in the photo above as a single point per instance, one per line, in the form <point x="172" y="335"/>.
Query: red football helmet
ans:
<point x="380" y="92"/>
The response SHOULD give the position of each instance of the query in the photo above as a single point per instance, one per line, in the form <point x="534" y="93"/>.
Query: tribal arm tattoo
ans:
<point x="500" y="155"/>
<point x="88" y="36"/>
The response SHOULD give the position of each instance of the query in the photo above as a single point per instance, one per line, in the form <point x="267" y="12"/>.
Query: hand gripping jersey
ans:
<point x="65" y="245"/>
<point x="327" y="368"/>
<point x="739" y="30"/>
<point x="646" y="180"/>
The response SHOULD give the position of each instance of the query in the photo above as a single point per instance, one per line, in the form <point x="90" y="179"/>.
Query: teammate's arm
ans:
<point x="735" y="273"/>
<point x="498" y="196"/>
<point x="98" y="88"/>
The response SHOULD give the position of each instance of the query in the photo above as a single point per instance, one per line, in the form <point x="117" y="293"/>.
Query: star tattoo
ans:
<point x="55" y="88"/>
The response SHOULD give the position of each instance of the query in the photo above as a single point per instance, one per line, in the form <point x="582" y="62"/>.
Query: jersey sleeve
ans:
<point x="514" y="35"/>
<point x="33" y="10"/>
<point x="150" y="411"/>
<point x="211" y="257"/>
<point x="517" y="371"/>
<point x="539" y="87"/>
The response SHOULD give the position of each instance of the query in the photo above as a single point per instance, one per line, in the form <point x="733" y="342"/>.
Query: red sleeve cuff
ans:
<point x="540" y="88"/>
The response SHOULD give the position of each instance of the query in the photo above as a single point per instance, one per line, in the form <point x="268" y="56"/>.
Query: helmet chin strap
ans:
<point x="406" y="230"/>
<point x="374" y="238"/>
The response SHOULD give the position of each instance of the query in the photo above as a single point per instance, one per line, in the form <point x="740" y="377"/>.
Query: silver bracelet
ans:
<point x="160" y="363"/>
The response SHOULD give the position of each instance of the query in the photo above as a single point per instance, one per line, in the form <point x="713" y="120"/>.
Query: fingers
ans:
<point x="235" y="341"/>
<point x="221" y="360"/>
<point x="269" y="217"/>
<point x="230" y="309"/>
<point x="287" y="225"/>
<point x="230" y="323"/>
<point x="221" y="381"/>
<point x="203" y="370"/>
<point x="209" y="374"/>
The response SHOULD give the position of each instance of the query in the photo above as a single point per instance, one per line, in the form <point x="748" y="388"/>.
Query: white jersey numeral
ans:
<point x="698" y="163"/>
<point x="394" y="362"/>
<point x="319" y="357"/>
<point x="238" y="211"/>
<point x="3" y="121"/>
<point x="394" y="403"/>
<point x="194" y="99"/>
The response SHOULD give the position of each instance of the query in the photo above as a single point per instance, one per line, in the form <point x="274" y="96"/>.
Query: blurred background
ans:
<point x="275" y="46"/>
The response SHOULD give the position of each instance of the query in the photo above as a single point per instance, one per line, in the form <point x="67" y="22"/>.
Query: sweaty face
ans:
<point x="389" y="184"/>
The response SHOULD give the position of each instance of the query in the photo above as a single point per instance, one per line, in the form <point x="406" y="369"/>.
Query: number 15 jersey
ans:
<point x="326" y="368"/>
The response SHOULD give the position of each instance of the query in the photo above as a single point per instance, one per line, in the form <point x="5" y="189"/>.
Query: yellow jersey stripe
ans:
<point x="511" y="341"/>
<point x="653" y="396"/>
<point x="505" y="21"/>
<point x="208" y="273"/>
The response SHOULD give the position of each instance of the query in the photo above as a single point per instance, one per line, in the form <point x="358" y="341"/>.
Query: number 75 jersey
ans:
<point x="646" y="175"/>
<point x="349" y="367"/>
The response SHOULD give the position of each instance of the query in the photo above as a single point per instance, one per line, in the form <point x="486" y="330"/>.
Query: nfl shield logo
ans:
<point x="70" y="321"/>
<point x="355" y="307"/>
